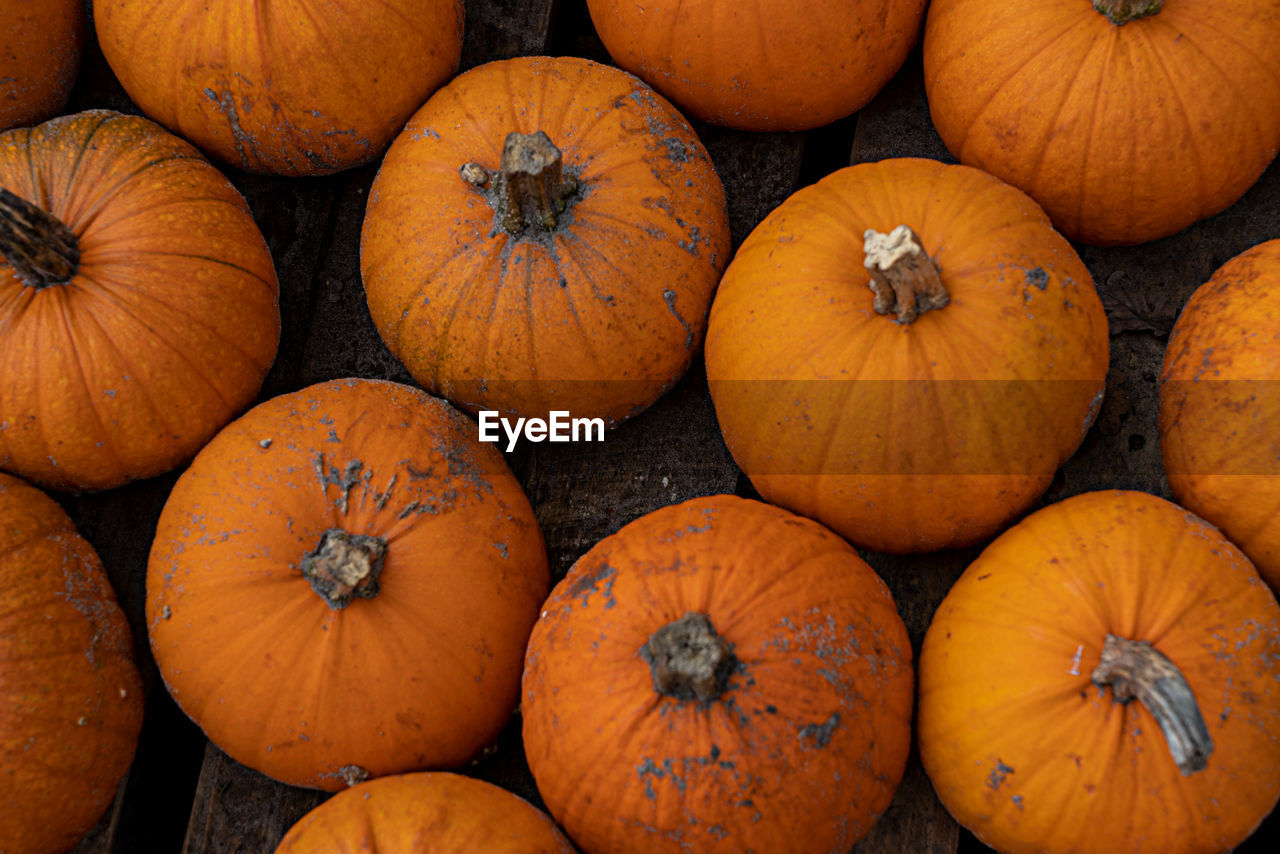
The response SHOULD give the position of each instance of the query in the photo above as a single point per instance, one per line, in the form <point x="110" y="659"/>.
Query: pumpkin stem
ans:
<point x="688" y="660"/>
<point x="35" y="243"/>
<point x="904" y="278"/>
<point x="344" y="566"/>
<point x="1138" y="669"/>
<point x="1123" y="11"/>
<point x="530" y="188"/>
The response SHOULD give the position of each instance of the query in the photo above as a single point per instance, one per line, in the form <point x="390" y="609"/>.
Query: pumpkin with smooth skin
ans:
<point x="342" y="584"/>
<point x="719" y="676"/>
<point x="1105" y="677"/>
<point x="906" y="351"/>
<point x="70" y="694"/>
<point x="139" y="308"/>
<point x="307" y="87"/>
<point x="435" y="812"/>
<point x="1220" y="406"/>
<point x="776" y="65"/>
<point x="545" y="235"/>
<point x="1127" y="120"/>
<point x="40" y="46"/>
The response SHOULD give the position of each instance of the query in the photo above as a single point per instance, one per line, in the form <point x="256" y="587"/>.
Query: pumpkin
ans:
<point x="302" y="88"/>
<point x="718" y="676"/>
<point x="545" y="235"/>
<point x="1127" y="120"/>
<point x="40" y="47"/>
<point x="434" y="811"/>
<point x="1029" y="670"/>
<point x="69" y="690"/>
<point x="139" y="308"/>
<point x="906" y="351"/>
<point x="1219" y="412"/>
<point x="770" y="66"/>
<point x="342" y="584"/>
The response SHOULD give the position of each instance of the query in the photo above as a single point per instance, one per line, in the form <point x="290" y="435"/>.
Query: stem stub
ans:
<point x="1120" y="12"/>
<point x="35" y="243"/>
<point x="344" y="566"/>
<point x="689" y="660"/>
<point x="905" y="280"/>
<point x="530" y="189"/>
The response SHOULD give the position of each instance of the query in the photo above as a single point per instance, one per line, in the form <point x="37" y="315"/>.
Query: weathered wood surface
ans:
<point x="184" y="794"/>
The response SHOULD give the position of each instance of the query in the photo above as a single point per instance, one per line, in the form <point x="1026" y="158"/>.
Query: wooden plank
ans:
<point x="500" y="29"/>
<point x="896" y="123"/>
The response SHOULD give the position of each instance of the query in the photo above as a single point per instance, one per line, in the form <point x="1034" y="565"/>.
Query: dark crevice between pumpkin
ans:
<point x="1137" y="670"/>
<point x="531" y="191"/>
<point x="35" y="243"/>
<point x="689" y="660"/>
<point x="1120" y="12"/>
<point x="344" y="566"/>
<point x="905" y="280"/>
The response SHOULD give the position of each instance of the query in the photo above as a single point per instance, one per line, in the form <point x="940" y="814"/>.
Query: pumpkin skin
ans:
<point x="808" y="737"/>
<point x="422" y="674"/>
<point x="597" y="316"/>
<point x="1028" y="753"/>
<point x="1219" y="413"/>
<point x="40" y="48"/>
<point x="301" y="88"/>
<point x="168" y="326"/>
<point x="70" y="692"/>
<point x="906" y="437"/>
<point x="792" y="65"/>
<point x="1122" y="133"/>
<point x="438" y="812"/>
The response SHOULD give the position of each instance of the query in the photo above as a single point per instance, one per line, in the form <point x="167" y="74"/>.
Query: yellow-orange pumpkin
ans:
<point x="1026" y="724"/>
<point x="138" y="303"/>
<point x="921" y="407"/>
<point x="70" y="695"/>
<point x="306" y="87"/>
<point x="719" y="676"/>
<point x="40" y="46"/>
<point x="570" y="270"/>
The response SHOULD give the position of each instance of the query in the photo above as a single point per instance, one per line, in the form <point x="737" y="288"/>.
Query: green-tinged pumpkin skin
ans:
<point x="342" y="584"/>
<point x="906" y="435"/>
<point x="166" y="323"/>
<point x="597" y="304"/>
<point x="794" y="736"/>
<point x="1031" y="750"/>
<point x="40" y="48"/>
<point x="69" y="688"/>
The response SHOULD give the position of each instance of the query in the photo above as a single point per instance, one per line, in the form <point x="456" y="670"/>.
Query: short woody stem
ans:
<point x="530" y="188"/>
<point x="344" y="566"/>
<point x="1136" y="669"/>
<point x="904" y="278"/>
<point x="688" y="660"/>
<point x="1121" y="12"/>
<point x="39" y="248"/>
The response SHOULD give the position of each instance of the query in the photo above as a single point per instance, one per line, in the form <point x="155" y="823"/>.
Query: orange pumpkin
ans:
<point x="1027" y="673"/>
<point x="569" y="269"/>
<point x="70" y="693"/>
<point x="1127" y="120"/>
<point x="40" y="46"/>
<point x="342" y="584"/>
<point x="138" y="304"/>
<point x="301" y="88"/>
<point x="768" y="66"/>
<point x="438" y="812"/>
<point x="922" y="405"/>
<point x="1219" y="410"/>
<point x="718" y="676"/>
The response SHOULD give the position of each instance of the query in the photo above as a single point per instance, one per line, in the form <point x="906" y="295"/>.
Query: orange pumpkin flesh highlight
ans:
<point x="1031" y="750"/>
<point x="718" y="676"/>
<point x="342" y="585"/>
<point x="40" y="47"/>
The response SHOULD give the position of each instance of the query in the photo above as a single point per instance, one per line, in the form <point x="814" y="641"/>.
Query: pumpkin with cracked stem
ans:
<point x="1031" y="667"/>
<point x="774" y="65"/>
<point x="70" y="692"/>
<point x="545" y="235"/>
<point x="718" y="676"/>
<point x="139" y="309"/>
<point x="1127" y="120"/>
<point x="40" y="47"/>
<point x="1219" y="410"/>
<point x="342" y="584"/>
<point x="906" y="352"/>
<point x="307" y="87"/>
<point x="434" y="811"/>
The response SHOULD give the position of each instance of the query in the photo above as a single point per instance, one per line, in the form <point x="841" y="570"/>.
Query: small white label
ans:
<point x="561" y="427"/>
